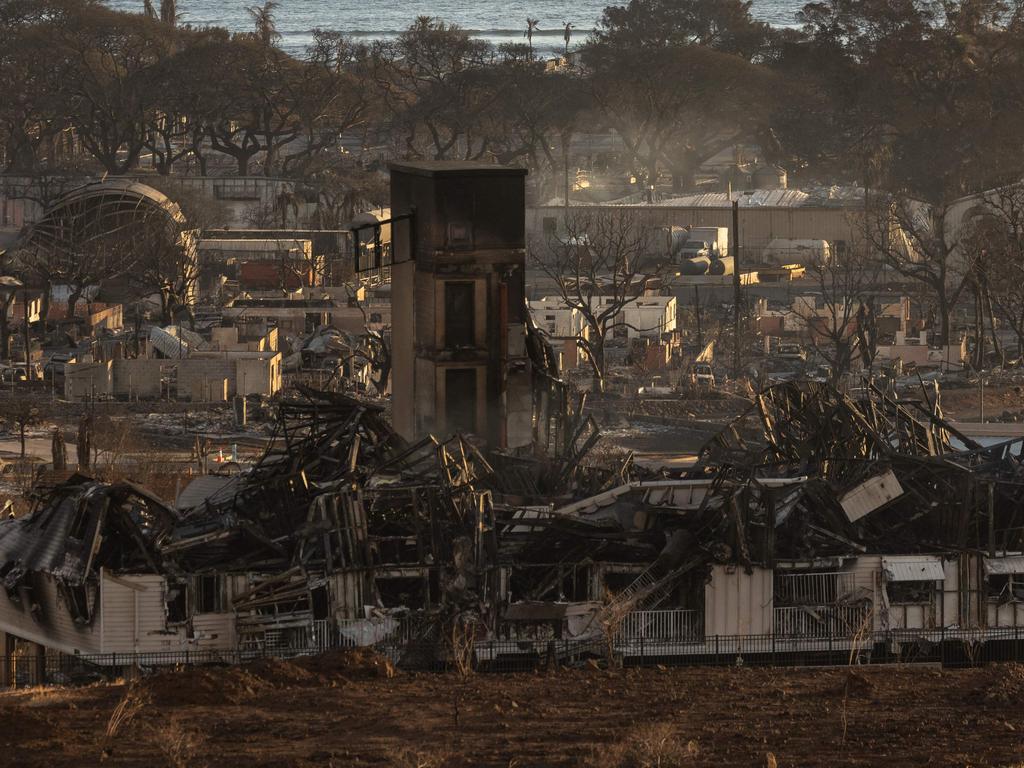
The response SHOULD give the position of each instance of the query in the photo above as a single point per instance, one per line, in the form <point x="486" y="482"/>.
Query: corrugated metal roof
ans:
<point x="913" y="568"/>
<point x="817" y="197"/>
<point x="1001" y="566"/>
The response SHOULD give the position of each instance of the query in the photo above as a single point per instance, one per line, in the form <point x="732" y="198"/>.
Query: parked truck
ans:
<point x="712" y="242"/>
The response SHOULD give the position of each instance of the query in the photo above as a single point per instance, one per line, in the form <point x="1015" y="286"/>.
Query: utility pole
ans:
<point x="700" y="330"/>
<point x="737" y="298"/>
<point x="565" y="166"/>
<point x="28" y="352"/>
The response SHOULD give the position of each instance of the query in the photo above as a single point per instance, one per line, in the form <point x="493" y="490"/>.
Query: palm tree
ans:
<point x="531" y="25"/>
<point x="568" y="35"/>
<point x="148" y="10"/>
<point x="169" y="12"/>
<point x="263" y="17"/>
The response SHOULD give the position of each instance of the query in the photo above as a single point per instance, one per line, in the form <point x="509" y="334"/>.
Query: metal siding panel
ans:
<point x="865" y="583"/>
<point x="738" y="603"/>
<point x="913" y="568"/>
<point x="61" y="632"/>
<point x="206" y="625"/>
<point x="153" y="635"/>
<point x="118" y="617"/>
<point x="950" y="605"/>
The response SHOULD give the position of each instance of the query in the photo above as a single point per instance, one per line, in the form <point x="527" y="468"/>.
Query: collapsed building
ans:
<point x="814" y="518"/>
<point x="341" y="514"/>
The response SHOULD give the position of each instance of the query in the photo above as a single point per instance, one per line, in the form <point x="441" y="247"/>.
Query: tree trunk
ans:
<point x="44" y="308"/>
<point x="683" y="172"/>
<point x="842" y="362"/>
<point x="5" y="328"/>
<point x="990" y="314"/>
<point x="21" y="155"/>
<point x="73" y="298"/>
<point x="201" y="160"/>
<point x="165" y="307"/>
<point x="652" y="179"/>
<point x="942" y="306"/>
<point x="269" y="159"/>
<point x="243" y="164"/>
<point x="596" y="353"/>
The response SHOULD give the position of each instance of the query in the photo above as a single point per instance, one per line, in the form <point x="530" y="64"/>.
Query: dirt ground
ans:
<point x="961" y="403"/>
<point x="325" y="712"/>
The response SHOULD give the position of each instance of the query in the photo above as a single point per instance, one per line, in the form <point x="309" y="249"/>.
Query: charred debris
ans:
<point x="343" y="520"/>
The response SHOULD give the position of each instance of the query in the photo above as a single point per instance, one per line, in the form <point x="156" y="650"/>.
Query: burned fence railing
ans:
<point x="832" y="620"/>
<point x="949" y="647"/>
<point x="670" y="624"/>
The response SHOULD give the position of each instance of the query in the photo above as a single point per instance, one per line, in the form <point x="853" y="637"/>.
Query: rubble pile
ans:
<point x="875" y="474"/>
<point x="344" y="530"/>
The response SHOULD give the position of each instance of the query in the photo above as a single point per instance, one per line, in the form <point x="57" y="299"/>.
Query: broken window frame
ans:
<point x="208" y="594"/>
<point x="459" y="313"/>
<point x="1004" y="588"/>
<point x="904" y="592"/>
<point x="176" y="602"/>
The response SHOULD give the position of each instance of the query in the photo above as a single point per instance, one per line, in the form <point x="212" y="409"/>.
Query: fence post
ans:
<point x="716" y="649"/>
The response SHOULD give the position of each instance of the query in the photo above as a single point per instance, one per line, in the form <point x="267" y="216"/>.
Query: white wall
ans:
<point x="738" y="603"/>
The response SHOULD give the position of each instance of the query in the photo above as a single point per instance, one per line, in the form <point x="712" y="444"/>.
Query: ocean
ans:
<point x="497" y="22"/>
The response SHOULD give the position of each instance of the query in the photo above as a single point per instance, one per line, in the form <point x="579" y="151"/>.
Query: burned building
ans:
<point x="458" y="302"/>
<point x="340" y="518"/>
<point x="121" y="226"/>
<point x="814" y="520"/>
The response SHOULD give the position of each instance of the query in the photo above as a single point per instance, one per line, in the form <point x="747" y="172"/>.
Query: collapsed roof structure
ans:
<point x="882" y="474"/>
<point x="342" y="521"/>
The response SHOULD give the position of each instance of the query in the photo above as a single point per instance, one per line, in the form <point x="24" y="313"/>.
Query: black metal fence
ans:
<point x="946" y="647"/>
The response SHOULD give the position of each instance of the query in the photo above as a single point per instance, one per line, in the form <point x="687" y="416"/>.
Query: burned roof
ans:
<point x="81" y="526"/>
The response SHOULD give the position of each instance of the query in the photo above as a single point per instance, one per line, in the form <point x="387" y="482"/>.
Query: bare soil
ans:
<point x="341" y="711"/>
<point x="962" y="403"/>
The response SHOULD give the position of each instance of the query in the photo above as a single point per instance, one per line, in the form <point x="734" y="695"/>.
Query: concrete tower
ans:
<point x="458" y="302"/>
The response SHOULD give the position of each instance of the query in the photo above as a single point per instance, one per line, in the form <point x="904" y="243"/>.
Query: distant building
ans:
<point x="211" y="372"/>
<point x="645" y="317"/>
<point x="833" y="215"/>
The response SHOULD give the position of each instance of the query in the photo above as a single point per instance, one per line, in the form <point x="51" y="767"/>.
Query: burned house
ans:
<point x="340" y="517"/>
